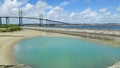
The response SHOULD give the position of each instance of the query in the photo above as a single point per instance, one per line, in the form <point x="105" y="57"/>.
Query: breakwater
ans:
<point x="87" y="33"/>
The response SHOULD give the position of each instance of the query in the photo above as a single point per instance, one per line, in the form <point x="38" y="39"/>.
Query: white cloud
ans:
<point x="28" y="7"/>
<point x="64" y="3"/>
<point x="9" y="7"/>
<point x="103" y="10"/>
<point x="21" y="2"/>
<point x="118" y="9"/>
<point x="34" y="10"/>
<point x="72" y="14"/>
<point x="56" y="13"/>
<point x="55" y="10"/>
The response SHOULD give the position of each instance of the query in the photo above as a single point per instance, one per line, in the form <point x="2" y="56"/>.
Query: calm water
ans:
<point x="62" y="52"/>
<point x="90" y="27"/>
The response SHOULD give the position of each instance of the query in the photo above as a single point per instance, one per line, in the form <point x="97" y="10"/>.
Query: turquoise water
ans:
<point x="63" y="52"/>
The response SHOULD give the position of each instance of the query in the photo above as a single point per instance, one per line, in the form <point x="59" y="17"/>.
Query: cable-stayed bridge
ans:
<point x="42" y="22"/>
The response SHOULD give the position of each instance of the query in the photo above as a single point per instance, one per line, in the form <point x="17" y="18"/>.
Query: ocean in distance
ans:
<point x="105" y="27"/>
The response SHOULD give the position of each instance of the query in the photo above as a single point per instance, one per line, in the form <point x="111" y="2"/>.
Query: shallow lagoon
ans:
<point x="64" y="52"/>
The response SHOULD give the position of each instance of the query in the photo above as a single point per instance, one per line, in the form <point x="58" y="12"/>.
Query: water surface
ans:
<point x="63" y="52"/>
<point x="105" y="27"/>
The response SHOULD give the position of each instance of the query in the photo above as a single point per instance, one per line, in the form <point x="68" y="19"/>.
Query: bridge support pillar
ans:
<point x="0" y="20"/>
<point x="7" y="20"/>
<point x="50" y="23"/>
<point x="20" y="18"/>
<point x="40" y="22"/>
<point x="20" y="21"/>
<point x="47" y="22"/>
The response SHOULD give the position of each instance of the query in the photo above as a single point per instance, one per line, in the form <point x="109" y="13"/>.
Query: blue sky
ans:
<point x="73" y="11"/>
<point x="79" y="5"/>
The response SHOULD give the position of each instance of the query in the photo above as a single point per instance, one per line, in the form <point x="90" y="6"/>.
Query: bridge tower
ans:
<point x="7" y="20"/>
<point x="20" y="18"/>
<point x="0" y="20"/>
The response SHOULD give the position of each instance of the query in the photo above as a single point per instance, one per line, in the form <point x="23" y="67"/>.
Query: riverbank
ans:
<point x="9" y="39"/>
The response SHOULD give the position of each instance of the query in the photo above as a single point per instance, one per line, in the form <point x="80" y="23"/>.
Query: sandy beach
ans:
<point x="9" y="39"/>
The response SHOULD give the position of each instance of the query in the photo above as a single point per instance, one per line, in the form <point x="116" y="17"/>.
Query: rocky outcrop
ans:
<point x="15" y="66"/>
<point x="117" y="65"/>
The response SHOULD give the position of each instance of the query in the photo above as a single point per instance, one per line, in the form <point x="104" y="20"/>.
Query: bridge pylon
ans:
<point x="40" y="19"/>
<point x="7" y="20"/>
<point x="20" y="18"/>
<point x="0" y="20"/>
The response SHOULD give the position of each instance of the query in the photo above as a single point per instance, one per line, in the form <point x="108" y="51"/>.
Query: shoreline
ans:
<point x="6" y="49"/>
<point x="106" y="36"/>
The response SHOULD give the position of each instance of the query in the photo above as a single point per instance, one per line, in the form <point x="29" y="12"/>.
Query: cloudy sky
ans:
<point x="72" y="11"/>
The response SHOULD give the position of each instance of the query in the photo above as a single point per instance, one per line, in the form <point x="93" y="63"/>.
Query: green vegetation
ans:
<point x="9" y="28"/>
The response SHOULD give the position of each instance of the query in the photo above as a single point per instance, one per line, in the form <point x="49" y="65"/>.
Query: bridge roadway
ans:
<point x="40" y="20"/>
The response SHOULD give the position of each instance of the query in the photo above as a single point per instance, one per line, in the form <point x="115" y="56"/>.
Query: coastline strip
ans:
<point x="108" y="35"/>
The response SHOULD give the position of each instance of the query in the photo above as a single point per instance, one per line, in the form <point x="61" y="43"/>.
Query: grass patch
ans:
<point x="9" y="28"/>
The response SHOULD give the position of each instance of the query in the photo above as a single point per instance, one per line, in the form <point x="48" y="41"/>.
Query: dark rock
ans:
<point x="15" y="66"/>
